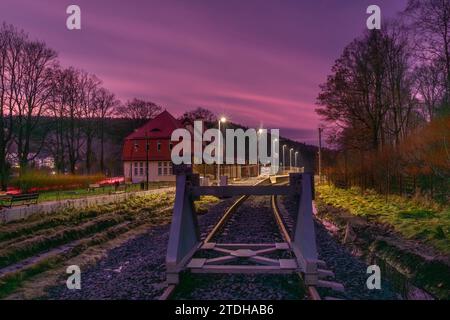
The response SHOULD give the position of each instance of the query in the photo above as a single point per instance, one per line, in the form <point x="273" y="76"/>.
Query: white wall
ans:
<point x="153" y="172"/>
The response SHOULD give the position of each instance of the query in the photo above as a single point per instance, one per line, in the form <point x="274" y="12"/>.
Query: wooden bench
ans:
<point x="93" y="186"/>
<point x="19" y="199"/>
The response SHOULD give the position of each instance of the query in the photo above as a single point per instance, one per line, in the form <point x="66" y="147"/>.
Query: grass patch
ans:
<point x="427" y="222"/>
<point x="104" y="190"/>
<point x="202" y="205"/>
<point x="433" y="276"/>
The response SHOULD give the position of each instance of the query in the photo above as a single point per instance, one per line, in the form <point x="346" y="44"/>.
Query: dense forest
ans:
<point x="386" y="106"/>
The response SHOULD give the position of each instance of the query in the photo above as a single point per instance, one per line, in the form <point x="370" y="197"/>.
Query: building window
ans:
<point x="170" y="146"/>
<point x="160" y="170"/>
<point x="165" y="168"/>
<point x="158" y="146"/>
<point x="141" y="168"/>
<point x="135" y="168"/>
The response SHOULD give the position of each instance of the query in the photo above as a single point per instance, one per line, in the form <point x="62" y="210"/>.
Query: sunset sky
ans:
<point x="259" y="62"/>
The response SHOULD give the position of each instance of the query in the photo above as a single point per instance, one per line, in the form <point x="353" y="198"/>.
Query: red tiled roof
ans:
<point x="160" y="127"/>
<point x="156" y="130"/>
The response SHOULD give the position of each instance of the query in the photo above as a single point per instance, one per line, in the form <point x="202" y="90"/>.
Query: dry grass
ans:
<point x="413" y="218"/>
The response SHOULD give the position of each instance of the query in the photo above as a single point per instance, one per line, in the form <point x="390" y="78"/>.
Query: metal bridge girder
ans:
<point x="304" y="242"/>
<point x="184" y="236"/>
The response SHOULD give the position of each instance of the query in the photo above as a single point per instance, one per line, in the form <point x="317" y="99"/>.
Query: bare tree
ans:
<point x="56" y="110"/>
<point x="89" y="86"/>
<point x="430" y="24"/>
<point x="32" y="93"/>
<point x="138" y="110"/>
<point x="72" y="101"/>
<point x="198" y="114"/>
<point x="431" y="88"/>
<point x="105" y="106"/>
<point x="399" y="83"/>
<point x="11" y="46"/>
<point x="353" y="95"/>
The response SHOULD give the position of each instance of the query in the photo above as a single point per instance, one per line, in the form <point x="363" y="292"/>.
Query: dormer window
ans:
<point x="158" y="146"/>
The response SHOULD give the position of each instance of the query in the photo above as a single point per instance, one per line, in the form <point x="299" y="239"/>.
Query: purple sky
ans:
<point x="259" y="62"/>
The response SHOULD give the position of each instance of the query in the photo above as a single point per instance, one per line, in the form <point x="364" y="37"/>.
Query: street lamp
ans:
<point x="296" y="164"/>
<point x="290" y="158"/>
<point x="260" y="130"/>
<point x="221" y="120"/>
<point x="284" y="163"/>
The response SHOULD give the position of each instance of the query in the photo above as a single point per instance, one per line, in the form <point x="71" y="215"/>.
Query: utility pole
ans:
<point x="320" y="155"/>
<point x="260" y="130"/>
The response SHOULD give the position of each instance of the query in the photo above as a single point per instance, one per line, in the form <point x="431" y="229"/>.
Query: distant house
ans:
<point x="156" y="133"/>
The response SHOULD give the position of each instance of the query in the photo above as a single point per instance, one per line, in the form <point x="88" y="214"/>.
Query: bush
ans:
<point x="42" y="181"/>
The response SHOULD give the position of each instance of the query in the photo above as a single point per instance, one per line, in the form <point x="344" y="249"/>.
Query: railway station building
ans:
<point x="155" y="136"/>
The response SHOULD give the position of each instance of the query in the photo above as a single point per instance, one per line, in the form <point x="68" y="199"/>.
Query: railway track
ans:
<point x="229" y="223"/>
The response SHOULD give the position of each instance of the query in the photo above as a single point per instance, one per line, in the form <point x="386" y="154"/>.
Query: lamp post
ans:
<point x="260" y="130"/>
<point x="284" y="163"/>
<point x="296" y="164"/>
<point x="222" y="119"/>
<point x="290" y="158"/>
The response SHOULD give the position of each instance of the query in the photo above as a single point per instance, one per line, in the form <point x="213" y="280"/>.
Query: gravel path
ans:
<point x="349" y="270"/>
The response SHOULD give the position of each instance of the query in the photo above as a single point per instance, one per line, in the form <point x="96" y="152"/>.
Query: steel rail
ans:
<point x="312" y="291"/>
